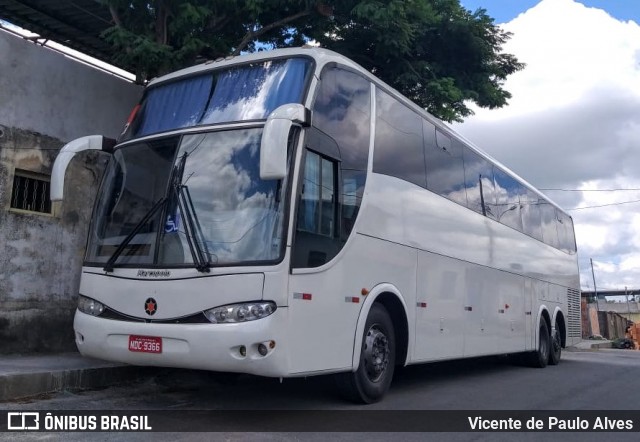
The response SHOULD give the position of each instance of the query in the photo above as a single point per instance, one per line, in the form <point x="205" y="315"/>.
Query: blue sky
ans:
<point x="506" y="10"/>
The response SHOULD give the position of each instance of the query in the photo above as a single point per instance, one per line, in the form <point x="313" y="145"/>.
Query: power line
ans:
<point x="592" y="190"/>
<point x="605" y="205"/>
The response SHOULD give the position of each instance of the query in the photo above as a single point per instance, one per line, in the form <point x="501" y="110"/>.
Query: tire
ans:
<point x="556" y="346"/>
<point x="372" y="379"/>
<point x="540" y="357"/>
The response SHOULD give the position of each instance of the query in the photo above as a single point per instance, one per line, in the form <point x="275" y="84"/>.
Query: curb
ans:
<point x="590" y="346"/>
<point x="598" y="345"/>
<point x="23" y="385"/>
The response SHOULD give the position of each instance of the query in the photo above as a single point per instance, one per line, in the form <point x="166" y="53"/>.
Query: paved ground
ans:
<point x="27" y="376"/>
<point x="585" y="380"/>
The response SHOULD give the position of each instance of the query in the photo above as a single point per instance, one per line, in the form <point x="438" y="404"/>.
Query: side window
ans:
<point x="317" y="240"/>
<point x="342" y="110"/>
<point x="479" y="183"/>
<point x="317" y="200"/>
<point x="445" y="170"/>
<point x="532" y="215"/>
<point x="509" y="195"/>
<point x="549" y="224"/>
<point x="335" y="167"/>
<point x="566" y="238"/>
<point x="398" y="147"/>
<point x="30" y="192"/>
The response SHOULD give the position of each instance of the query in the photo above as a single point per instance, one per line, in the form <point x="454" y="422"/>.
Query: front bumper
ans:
<point x="213" y="347"/>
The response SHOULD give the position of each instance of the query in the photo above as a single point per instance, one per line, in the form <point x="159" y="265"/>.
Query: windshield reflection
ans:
<point x="218" y="210"/>
<point x="237" y="212"/>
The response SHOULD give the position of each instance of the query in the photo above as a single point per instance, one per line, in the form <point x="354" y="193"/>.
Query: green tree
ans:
<point x="435" y="52"/>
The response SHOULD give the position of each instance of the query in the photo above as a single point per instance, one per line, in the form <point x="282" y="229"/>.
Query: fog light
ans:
<point x="262" y="349"/>
<point x="243" y="351"/>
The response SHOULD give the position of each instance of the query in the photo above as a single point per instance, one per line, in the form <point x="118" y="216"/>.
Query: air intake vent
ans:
<point x="573" y="299"/>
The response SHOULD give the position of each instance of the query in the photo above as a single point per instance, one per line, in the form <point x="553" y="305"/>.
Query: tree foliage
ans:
<point x="433" y="51"/>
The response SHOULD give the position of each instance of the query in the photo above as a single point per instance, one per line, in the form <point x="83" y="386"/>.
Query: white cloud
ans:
<point x="574" y="123"/>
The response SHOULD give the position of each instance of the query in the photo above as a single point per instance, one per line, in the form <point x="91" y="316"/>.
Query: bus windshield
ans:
<point x="246" y="92"/>
<point x="215" y="207"/>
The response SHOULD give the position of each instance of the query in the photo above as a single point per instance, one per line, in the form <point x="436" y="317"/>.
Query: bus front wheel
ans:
<point x="371" y="380"/>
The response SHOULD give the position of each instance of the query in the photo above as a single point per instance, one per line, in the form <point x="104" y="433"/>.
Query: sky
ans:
<point x="573" y="122"/>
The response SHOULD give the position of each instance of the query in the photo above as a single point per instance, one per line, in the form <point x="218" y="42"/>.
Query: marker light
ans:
<point x="249" y="311"/>
<point x="90" y="306"/>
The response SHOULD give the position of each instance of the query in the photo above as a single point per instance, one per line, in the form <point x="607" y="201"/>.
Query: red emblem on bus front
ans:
<point x="150" y="306"/>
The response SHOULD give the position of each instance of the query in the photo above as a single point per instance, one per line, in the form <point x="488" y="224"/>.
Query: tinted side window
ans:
<point x="398" y="147"/>
<point x="335" y="169"/>
<point x="317" y="214"/>
<point x="342" y="110"/>
<point x="549" y="228"/>
<point x="532" y="215"/>
<point x="566" y="238"/>
<point x="479" y="184"/>
<point x="509" y="194"/>
<point x="316" y="232"/>
<point x="342" y="115"/>
<point x="445" y="171"/>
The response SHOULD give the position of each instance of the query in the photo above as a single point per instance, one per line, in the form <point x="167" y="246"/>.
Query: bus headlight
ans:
<point x="90" y="306"/>
<point x="249" y="311"/>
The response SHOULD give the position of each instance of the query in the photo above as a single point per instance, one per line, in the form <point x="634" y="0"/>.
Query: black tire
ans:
<point x="556" y="346"/>
<point x="371" y="381"/>
<point x="540" y="357"/>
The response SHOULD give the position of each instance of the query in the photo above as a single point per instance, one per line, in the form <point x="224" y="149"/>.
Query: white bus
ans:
<point x="286" y="213"/>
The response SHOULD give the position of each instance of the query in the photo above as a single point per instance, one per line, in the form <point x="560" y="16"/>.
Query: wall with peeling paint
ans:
<point x="47" y="100"/>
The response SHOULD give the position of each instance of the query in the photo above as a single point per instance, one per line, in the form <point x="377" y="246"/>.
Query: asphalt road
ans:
<point x="602" y="380"/>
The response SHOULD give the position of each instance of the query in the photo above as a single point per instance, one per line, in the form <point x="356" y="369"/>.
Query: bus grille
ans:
<point x="573" y="300"/>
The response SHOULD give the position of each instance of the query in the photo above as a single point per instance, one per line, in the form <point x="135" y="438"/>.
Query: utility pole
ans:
<point x="626" y="295"/>
<point x="595" y="289"/>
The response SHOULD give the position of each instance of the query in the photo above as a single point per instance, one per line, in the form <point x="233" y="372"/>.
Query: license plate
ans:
<point x="145" y="344"/>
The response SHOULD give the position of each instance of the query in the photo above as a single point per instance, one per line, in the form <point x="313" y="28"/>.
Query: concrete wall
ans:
<point x="612" y="325"/>
<point x="47" y="100"/>
<point x="46" y="92"/>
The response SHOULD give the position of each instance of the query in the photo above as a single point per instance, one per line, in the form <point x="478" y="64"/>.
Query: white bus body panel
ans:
<point x="482" y="282"/>
<point x="325" y="326"/>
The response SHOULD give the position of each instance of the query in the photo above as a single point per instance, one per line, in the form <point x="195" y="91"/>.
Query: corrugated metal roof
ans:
<point x="73" y="23"/>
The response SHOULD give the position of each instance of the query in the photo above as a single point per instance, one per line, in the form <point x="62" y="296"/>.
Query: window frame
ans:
<point x="33" y="176"/>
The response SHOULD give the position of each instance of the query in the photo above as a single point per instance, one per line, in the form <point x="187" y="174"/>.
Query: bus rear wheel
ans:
<point x="556" y="346"/>
<point x="373" y="377"/>
<point x="540" y="357"/>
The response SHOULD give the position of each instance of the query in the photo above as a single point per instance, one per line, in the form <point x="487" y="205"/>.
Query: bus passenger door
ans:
<point x="321" y="320"/>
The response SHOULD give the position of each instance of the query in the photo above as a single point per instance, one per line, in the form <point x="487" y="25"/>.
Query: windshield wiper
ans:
<point x="193" y="229"/>
<point x="108" y="267"/>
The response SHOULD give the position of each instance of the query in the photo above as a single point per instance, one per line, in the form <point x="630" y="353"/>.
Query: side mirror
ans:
<point x="275" y="136"/>
<point x="66" y="154"/>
